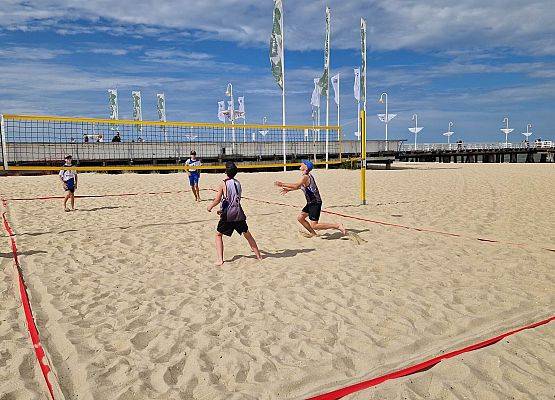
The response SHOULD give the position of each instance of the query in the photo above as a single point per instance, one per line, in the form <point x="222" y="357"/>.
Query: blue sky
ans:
<point x="467" y="61"/>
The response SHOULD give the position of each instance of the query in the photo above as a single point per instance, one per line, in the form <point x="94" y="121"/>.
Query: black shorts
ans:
<point x="313" y="210"/>
<point x="227" y="228"/>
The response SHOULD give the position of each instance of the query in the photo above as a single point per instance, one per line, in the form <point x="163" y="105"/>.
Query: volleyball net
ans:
<point x="42" y="142"/>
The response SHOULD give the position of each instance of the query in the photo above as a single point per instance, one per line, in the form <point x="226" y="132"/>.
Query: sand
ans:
<point x="130" y="306"/>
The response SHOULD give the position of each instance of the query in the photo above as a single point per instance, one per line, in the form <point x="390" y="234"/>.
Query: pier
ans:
<point x="541" y="151"/>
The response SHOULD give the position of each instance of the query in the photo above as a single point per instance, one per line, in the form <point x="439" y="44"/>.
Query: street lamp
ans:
<point x="229" y="92"/>
<point x="506" y="131"/>
<point x="449" y="133"/>
<point x="264" y="131"/>
<point x="416" y="128"/>
<point x="528" y="133"/>
<point x="385" y="117"/>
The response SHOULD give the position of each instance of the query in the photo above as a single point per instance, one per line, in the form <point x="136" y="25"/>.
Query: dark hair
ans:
<point x="193" y="153"/>
<point x="230" y="169"/>
<point x="68" y="157"/>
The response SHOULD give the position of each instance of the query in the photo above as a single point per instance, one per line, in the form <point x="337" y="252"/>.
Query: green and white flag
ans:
<point x="137" y="109"/>
<point x="363" y="63"/>
<point x="276" y="44"/>
<point x="113" y="102"/>
<point x="161" y="106"/>
<point x="324" y="80"/>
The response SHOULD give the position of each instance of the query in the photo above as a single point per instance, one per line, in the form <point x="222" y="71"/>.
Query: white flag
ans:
<point x="161" y="106"/>
<point x="240" y="113"/>
<point x="137" y="109"/>
<point x="113" y="101"/>
<point x="221" y="110"/>
<point x="356" y="87"/>
<point x="335" y="84"/>
<point x="316" y="93"/>
<point x="363" y="60"/>
<point x="381" y="117"/>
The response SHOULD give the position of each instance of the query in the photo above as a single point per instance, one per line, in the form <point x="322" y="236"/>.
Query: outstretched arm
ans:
<point x="289" y="187"/>
<point x="217" y="199"/>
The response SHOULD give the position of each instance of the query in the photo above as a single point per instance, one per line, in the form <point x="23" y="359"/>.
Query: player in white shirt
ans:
<point x="69" y="182"/>
<point x="194" y="175"/>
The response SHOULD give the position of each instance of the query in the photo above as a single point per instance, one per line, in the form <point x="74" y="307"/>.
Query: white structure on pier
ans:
<point x="506" y="130"/>
<point x="416" y="129"/>
<point x="528" y="133"/>
<point x="449" y="133"/>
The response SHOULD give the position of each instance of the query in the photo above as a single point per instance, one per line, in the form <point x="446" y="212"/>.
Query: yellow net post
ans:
<point x="3" y="143"/>
<point x="363" y="157"/>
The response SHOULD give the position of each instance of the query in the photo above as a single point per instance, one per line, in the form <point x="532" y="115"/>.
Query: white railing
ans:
<point x="544" y="144"/>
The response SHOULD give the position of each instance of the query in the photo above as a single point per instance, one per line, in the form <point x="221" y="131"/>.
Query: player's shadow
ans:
<point x="340" y="236"/>
<point x="101" y="208"/>
<point x="22" y="253"/>
<point x="46" y="232"/>
<point x="277" y="254"/>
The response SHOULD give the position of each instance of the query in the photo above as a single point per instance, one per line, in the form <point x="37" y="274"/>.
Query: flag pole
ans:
<point x="328" y="38"/>
<point x="283" y="91"/>
<point x="338" y="103"/>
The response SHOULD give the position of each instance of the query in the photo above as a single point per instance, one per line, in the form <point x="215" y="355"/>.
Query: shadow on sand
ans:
<point x="277" y="254"/>
<point x="22" y="253"/>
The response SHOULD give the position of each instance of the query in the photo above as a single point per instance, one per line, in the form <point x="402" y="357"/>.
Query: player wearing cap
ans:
<point x="313" y="207"/>
<point x="69" y="183"/>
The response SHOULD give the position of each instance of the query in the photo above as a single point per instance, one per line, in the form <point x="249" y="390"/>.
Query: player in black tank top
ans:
<point x="232" y="217"/>
<point x="313" y="207"/>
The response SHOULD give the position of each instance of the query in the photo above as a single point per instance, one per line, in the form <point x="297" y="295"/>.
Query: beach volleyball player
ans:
<point x="313" y="207"/>
<point x="194" y="174"/>
<point x="232" y="216"/>
<point x="69" y="182"/>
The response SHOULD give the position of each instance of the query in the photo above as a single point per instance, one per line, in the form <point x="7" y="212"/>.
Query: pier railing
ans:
<point x="544" y="144"/>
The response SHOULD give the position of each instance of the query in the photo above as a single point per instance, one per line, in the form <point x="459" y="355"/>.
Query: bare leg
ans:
<point x="219" y="249"/>
<point x="197" y="192"/>
<point x="65" y="201"/>
<point x="72" y="201"/>
<point x="302" y="220"/>
<point x="253" y="245"/>
<point x="321" y="226"/>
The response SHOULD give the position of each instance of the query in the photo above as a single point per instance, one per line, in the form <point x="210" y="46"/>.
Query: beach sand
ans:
<point x="130" y="306"/>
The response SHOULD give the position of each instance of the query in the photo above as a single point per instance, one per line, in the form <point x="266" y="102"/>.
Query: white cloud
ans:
<point x="15" y="53"/>
<point x="393" y="24"/>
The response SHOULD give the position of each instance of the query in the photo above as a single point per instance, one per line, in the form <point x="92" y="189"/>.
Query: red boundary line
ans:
<point x="31" y="326"/>
<point x="336" y="394"/>
<point x="383" y="223"/>
<point x="339" y="393"/>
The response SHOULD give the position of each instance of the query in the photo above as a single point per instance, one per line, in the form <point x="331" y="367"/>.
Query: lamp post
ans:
<point x="449" y="133"/>
<point x="229" y="92"/>
<point x="506" y="131"/>
<point x="386" y="119"/>
<point x="416" y="128"/>
<point x="528" y="133"/>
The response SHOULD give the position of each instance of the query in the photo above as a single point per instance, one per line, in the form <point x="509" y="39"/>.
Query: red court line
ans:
<point x="383" y="223"/>
<point x="339" y="393"/>
<point x="96" y="195"/>
<point x="31" y="327"/>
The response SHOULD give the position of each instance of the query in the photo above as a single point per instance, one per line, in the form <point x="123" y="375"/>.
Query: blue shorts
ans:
<point x="70" y="185"/>
<point x="194" y="178"/>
